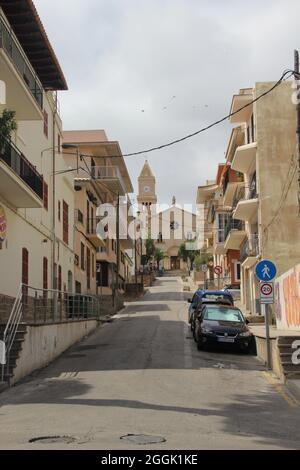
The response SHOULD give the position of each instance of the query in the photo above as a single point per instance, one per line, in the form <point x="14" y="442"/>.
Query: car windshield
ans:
<point x="223" y="314"/>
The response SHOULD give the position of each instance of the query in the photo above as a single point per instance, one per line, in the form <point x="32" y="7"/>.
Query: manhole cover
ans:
<point x="143" y="439"/>
<point x="53" y="440"/>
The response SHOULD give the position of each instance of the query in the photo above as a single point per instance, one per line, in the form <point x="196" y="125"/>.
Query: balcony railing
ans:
<point x="21" y="62"/>
<point x="12" y="156"/>
<point x="107" y="173"/>
<point x="250" y="248"/>
<point x="252" y="194"/>
<point x="233" y="224"/>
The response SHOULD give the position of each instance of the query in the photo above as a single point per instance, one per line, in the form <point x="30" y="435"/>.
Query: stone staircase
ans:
<point x="290" y="370"/>
<point x="14" y="353"/>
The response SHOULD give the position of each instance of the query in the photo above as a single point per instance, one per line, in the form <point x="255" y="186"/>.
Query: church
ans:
<point x="170" y="225"/>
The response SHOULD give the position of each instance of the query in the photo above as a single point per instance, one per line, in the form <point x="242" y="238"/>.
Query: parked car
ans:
<point x="234" y="290"/>
<point x="206" y="295"/>
<point x="223" y="325"/>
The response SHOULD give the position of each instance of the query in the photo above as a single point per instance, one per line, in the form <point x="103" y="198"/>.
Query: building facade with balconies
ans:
<point x="36" y="204"/>
<point x="268" y="209"/>
<point x="96" y="159"/>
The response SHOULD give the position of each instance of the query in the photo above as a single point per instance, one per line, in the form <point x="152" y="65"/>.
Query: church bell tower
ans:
<point x="147" y="188"/>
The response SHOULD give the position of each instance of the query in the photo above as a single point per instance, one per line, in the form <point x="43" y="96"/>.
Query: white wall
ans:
<point x="45" y="343"/>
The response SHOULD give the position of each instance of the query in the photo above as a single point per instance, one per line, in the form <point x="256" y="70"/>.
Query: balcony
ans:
<point x="244" y="159"/>
<point x="234" y="234"/>
<point x="20" y="183"/>
<point x="24" y="93"/>
<point x="244" y="98"/>
<point x="111" y="178"/>
<point x="93" y="233"/>
<point x="249" y="251"/>
<point x="247" y="208"/>
<point x="230" y="187"/>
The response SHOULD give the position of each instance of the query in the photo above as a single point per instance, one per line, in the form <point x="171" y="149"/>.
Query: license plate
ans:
<point x="226" y="340"/>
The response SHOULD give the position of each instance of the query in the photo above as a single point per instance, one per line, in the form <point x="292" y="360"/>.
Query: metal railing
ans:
<point x="11" y="330"/>
<point x="107" y="173"/>
<point x="233" y="224"/>
<point x="9" y="43"/>
<point x="14" y="158"/>
<point x="54" y="306"/>
<point x="252" y="193"/>
<point x="250" y="247"/>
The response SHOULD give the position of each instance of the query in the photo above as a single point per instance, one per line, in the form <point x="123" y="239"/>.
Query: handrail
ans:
<point x="12" y="328"/>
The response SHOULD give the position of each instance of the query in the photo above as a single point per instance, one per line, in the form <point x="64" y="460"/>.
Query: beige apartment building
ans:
<point x="99" y="165"/>
<point x="264" y="220"/>
<point x="36" y="204"/>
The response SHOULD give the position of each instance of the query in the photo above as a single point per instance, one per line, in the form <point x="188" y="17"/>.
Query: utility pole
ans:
<point x="297" y="78"/>
<point x="118" y="254"/>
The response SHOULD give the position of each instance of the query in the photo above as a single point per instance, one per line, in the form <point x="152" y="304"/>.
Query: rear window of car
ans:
<point x="216" y="297"/>
<point x="223" y="314"/>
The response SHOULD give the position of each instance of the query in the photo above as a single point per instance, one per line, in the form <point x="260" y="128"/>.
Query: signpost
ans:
<point x="266" y="272"/>
<point x="218" y="271"/>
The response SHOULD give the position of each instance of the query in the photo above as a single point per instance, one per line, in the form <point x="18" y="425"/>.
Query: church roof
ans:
<point x="146" y="171"/>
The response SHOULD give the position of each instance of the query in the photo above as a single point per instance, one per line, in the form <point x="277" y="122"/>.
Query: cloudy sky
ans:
<point x="151" y="71"/>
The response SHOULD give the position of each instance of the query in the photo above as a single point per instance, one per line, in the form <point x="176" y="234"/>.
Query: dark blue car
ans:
<point x="207" y="296"/>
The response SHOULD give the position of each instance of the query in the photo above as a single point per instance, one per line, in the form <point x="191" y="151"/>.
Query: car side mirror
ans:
<point x="190" y="301"/>
<point x="247" y="322"/>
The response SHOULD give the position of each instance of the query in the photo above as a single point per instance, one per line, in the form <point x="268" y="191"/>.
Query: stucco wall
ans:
<point x="46" y="342"/>
<point x="279" y="227"/>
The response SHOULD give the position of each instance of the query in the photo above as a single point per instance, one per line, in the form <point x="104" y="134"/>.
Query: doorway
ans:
<point x="175" y="263"/>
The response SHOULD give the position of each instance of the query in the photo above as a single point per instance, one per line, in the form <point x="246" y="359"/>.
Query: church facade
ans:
<point x="170" y="226"/>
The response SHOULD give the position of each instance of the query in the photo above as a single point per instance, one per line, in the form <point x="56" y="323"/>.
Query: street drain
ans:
<point x="143" y="439"/>
<point x="53" y="440"/>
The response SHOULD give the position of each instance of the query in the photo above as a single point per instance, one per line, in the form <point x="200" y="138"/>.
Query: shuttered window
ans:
<point x="46" y="126"/>
<point x="25" y="266"/>
<point x="88" y="267"/>
<point x="45" y="273"/>
<point x="45" y="195"/>
<point x="65" y="222"/>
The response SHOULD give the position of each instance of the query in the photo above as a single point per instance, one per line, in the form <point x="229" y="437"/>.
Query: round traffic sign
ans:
<point x="218" y="270"/>
<point x="266" y="270"/>
<point x="204" y="268"/>
<point x="266" y="289"/>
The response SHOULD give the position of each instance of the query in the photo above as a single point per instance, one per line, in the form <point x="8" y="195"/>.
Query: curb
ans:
<point x="294" y="388"/>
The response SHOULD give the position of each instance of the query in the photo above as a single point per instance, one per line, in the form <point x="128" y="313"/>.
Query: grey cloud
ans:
<point x="122" y="57"/>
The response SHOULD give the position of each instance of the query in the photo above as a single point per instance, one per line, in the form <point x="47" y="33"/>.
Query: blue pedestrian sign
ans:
<point x="266" y="270"/>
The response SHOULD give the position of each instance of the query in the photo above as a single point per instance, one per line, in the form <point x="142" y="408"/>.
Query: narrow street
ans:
<point x="142" y="374"/>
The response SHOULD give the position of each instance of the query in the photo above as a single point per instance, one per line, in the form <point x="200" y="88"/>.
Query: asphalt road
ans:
<point x="142" y="375"/>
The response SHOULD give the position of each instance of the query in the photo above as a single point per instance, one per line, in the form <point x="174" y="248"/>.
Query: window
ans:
<point x="77" y="287"/>
<point x="80" y="216"/>
<point x="88" y="267"/>
<point x="222" y="222"/>
<point x="59" y="210"/>
<point x="59" y="278"/>
<point x="25" y="266"/>
<point x="65" y="222"/>
<point x="45" y="273"/>
<point x="88" y="216"/>
<point x="82" y="256"/>
<point x="93" y="265"/>
<point x="237" y="270"/>
<point x="46" y="124"/>
<point x="45" y="195"/>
